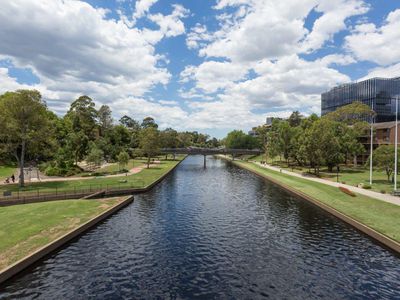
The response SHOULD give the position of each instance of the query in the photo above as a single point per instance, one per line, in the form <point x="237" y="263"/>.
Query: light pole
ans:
<point x="372" y="146"/>
<point x="395" y="147"/>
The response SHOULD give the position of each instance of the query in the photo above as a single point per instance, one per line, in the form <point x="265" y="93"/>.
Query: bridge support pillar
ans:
<point x="205" y="161"/>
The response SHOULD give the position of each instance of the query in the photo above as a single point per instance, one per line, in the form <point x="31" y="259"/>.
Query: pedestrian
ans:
<point x="7" y="180"/>
<point x="13" y="178"/>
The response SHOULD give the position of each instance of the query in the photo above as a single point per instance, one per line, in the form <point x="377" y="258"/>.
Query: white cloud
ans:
<point x="334" y="14"/>
<point x="142" y="7"/>
<point x="387" y="72"/>
<point x="377" y="44"/>
<point x="171" y="25"/>
<point x="211" y="76"/>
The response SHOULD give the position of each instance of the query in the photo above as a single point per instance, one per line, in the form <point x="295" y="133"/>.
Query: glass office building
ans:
<point x="378" y="93"/>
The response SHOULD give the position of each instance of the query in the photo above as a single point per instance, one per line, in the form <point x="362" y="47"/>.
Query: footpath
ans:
<point x="132" y="171"/>
<point x="379" y="196"/>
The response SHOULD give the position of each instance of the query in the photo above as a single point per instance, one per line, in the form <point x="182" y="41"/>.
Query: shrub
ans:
<point x="366" y="187"/>
<point x="347" y="191"/>
<point x="383" y="191"/>
<point x="343" y="182"/>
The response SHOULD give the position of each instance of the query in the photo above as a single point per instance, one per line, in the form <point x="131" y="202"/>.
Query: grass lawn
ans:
<point x="26" y="228"/>
<point x="139" y="180"/>
<point x="381" y="216"/>
<point x="348" y="174"/>
<point x="115" y="167"/>
<point x="6" y="171"/>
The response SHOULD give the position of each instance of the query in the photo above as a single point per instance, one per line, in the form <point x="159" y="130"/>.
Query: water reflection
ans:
<point x="219" y="232"/>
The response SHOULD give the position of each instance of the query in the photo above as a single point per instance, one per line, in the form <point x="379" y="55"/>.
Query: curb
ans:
<point x="27" y="261"/>
<point x="372" y="233"/>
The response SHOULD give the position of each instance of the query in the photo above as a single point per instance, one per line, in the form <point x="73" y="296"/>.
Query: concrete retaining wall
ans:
<point x="377" y="236"/>
<point x="47" y="249"/>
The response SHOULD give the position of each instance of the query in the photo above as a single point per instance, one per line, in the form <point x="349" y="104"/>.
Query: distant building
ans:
<point x="384" y="134"/>
<point x="378" y="93"/>
<point x="269" y="120"/>
<point x="253" y="132"/>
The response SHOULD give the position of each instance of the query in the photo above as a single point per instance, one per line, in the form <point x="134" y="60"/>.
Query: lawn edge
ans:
<point x="372" y="233"/>
<point x="110" y="193"/>
<point x="30" y="259"/>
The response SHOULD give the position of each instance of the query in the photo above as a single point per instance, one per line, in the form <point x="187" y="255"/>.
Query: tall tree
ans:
<point x="295" y="119"/>
<point x="24" y="124"/>
<point x="149" y="122"/>
<point x="149" y="143"/>
<point x="105" y="119"/>
<point x="83" y="116"/>
<point x="383" y="158"/>
<point x="351" y="113"/>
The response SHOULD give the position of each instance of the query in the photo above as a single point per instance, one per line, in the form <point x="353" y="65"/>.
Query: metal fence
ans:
<point x="68" y="192"/>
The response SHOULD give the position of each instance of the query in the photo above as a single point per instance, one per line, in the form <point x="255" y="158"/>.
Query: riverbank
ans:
<point x="24" y="229"/>
<point x="379" y="216"/>
<point x="140" y="182"/>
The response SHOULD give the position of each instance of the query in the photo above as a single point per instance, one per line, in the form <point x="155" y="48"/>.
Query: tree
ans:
<point x="149" y="142"/>
<point x="351" y="113"/>
<point x="149" y="122"/>
<point x="130" y="123"/>
<point x="95" y="156"/>
<point x="237" y="139"/>
<point x="123" y="159"/>
<point x="295" y="119"/>
<point x="83" y="116"/>
<point x="24" y="125"/>
<point x="105" y="119"/>
<point x="169" y="138"/>
<point x="383" y="158"/>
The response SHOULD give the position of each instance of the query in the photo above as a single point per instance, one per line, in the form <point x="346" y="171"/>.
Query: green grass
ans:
<point x="115" y="167"/>
<point x="26" y="228"/>
<point x="350" y="175"/>
<point x="381" y="216"/>
<point x="139" y="180"/>
<point x="6" y="171"/>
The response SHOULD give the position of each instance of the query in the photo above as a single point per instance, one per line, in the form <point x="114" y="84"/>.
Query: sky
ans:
<point x="205" y="65"/>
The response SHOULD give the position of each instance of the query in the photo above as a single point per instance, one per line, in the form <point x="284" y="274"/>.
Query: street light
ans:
<point x="372" y="146"/>
<point x="395" y="147"/>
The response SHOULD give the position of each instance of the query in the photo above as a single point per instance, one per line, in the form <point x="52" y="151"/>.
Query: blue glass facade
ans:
<point x="378" y="93"/>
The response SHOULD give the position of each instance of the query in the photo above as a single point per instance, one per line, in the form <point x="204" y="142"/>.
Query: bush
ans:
<point x="383" y="192"/>
<point x="343" y="182"/>
<point x="366" y="187"/>
<point x="347" y="191"/>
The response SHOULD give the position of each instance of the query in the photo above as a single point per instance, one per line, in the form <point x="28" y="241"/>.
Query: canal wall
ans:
<point x="56" y="244"/>
<point x="375" y="235"/>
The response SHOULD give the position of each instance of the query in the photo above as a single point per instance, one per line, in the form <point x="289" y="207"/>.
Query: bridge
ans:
<point x="210" y="151"/>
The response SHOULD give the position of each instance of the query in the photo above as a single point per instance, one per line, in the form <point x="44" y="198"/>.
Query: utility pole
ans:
<point x="395" y="147"/>
<point x="372" y="146"/>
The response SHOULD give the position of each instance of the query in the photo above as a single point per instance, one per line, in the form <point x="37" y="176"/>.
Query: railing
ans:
<point x="67" y="192"/>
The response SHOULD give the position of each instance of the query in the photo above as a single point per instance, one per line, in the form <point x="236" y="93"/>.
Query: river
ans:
<point x="215" y="233"/>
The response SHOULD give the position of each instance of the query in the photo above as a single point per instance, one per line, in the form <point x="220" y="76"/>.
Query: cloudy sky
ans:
<point x="207" y="65"/>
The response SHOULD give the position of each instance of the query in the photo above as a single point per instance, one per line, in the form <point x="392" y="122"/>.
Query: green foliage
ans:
<point x="25" y="125"/>
<point x="95" y="156"/>
<point x="123" y="159"/>
<point x="383" y="158"/>
<point x="149" y="142"/>
<point x="237" y="139"/>
<point x="351" y="113"/>
<point x="149" y="122"/>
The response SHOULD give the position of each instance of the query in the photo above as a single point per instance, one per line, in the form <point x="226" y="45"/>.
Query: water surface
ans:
<point x="215" y="233"/>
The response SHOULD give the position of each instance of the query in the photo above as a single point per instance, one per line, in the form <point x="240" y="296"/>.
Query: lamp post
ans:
<point x="395" y="147"/>
<point x="372" y="146"/>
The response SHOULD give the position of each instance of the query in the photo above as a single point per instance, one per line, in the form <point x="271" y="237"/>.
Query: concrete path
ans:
<point x="383" y="197"/>
<point x="132" y="171"/>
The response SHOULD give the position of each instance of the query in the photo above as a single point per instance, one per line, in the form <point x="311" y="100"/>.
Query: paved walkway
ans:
<point x="383" y="197"/>
<point x="132" y="171"/>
